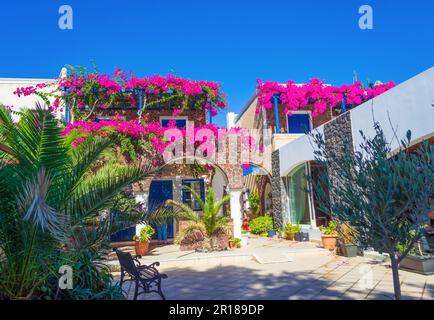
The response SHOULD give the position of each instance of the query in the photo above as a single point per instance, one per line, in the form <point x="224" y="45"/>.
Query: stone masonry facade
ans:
<point x="338" y="134"/>
<point x="276" y="189"/>
<point x="338" y="139"/>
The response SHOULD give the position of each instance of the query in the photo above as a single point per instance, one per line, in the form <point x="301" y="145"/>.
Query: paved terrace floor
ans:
<point x="278" y="270"/>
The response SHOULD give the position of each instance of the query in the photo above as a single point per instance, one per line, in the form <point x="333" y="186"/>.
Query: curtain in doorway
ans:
<point x="298" y="197"/>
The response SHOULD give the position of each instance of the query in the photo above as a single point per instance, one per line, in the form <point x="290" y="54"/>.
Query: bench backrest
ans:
<point x="127" y="263"/>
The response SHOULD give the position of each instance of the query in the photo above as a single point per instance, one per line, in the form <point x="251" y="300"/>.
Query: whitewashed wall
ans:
<point x="409" y="106"/>
<point x="9" y="85"/>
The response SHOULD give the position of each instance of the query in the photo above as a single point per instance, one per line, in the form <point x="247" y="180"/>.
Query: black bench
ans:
<point x="145" y="277"/>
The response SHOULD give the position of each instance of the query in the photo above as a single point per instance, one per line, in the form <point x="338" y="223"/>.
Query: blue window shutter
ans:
<point x="99" y="119"/>
<point x="179" y="123"/>
<point x="202" y="189"/>
<point x="299" y="123"/>
<point x="184" y="195"/>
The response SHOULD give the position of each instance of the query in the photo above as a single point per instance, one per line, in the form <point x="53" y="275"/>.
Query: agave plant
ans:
<point x="55" y="199"/>
<point x="209" y="220"/>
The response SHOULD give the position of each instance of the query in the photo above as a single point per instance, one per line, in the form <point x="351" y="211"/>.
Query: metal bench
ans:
<point x="145" y="277"/>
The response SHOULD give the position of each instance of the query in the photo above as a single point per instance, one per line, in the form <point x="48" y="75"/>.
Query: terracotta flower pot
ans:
<point x="232" y="245"/>
<point x="142" y="248"/>
<point x="290" y="236"/>
<point x="328" y="241"/>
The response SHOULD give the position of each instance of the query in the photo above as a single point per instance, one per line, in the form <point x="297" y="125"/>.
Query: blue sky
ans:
<point x="232" y="42"/>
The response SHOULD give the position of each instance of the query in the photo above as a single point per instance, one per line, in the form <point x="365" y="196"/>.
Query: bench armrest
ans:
<point x="153" y="265"/>
<point x="137" y="260"/>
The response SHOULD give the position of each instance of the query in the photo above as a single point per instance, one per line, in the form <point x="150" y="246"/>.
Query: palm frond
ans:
<point x="158" y="215"/>
<point x="83" y="157"/>
<point x="96" y="192"/>
<point x="34" y="143"/>
<point x="184" y="211"/>
<point x="32" y="201"/>
<point x="196" y="196"/>
<point x="219" y="204"/>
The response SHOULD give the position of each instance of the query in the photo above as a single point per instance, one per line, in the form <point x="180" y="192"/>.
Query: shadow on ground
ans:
<point x="250" y="282"/>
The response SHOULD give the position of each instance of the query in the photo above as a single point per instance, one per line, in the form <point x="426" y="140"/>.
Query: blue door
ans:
<point x="159" y="192"/>
<point x="124" y="235"/>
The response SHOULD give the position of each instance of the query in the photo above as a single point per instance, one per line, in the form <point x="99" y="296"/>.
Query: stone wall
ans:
<point x="338" y="134"/>
<point x="276" y="190"/>
<point x="338" y="140"/>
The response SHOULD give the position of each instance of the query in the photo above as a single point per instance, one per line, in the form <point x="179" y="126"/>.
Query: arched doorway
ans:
<point x="257" y="185"/>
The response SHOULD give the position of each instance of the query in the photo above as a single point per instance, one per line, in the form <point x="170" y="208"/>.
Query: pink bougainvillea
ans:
<point x="83" y="90"/>
<point x="152" y="132"/>
<point x="27" y="91"/>
<point x="316" y="94"/>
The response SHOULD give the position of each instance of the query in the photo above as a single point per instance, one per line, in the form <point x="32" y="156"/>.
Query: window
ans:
<point x="98" y="119"/>
<point x="299" y="123"/>
<point x="198" y="186"/>
<point x="179" y="123"/>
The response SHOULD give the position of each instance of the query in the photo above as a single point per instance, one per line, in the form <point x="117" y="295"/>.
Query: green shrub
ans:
<point x="254" y="202"/>
<point x="331" y="229"/>
<point x="146" y="234"/>
<point x="260" y="225"/>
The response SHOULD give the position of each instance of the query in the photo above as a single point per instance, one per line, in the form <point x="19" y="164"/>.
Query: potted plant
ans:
<point x="423" y="264"/>
<point x="300" y="235"/>
<point x="346" y="238"/>
<point x="271" y="232"/>
<point x="141" y="244"/>
<point x="234" y="243"/>
<point x="329" y="235"/>
<point x="420" y="258"/>
<point x="291" y="230"/>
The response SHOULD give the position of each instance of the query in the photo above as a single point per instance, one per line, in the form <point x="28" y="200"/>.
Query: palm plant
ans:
<point x="209" y="221"/>
<point x="55" y="199"/>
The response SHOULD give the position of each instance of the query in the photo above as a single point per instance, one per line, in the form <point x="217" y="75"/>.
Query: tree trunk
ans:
<point x="395" y="274"/>
<point x="211" y="243"/>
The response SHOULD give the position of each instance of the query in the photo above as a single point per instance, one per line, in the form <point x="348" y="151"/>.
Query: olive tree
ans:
<point x="385" y="196"/>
